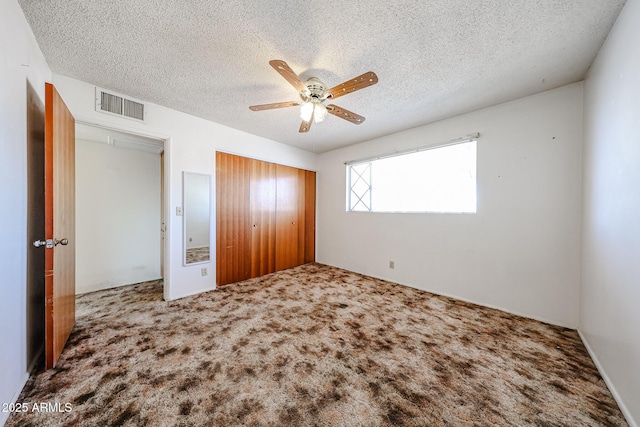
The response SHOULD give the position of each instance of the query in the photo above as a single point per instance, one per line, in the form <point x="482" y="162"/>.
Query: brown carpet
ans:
<point x="314" y="345"/>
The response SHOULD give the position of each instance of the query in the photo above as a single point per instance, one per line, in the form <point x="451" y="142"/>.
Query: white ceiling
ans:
<point x="434" y="58"/>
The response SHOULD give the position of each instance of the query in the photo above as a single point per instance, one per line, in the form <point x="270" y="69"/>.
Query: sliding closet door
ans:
<point x="301" y="217"/>
<point x="263" y="218"/>
<point x="289" y="221"/>
<point x="310" y="217"/>
<point x="233" y="216"/>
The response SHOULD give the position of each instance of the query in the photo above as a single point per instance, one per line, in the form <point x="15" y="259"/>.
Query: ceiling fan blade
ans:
<point x="345" y="114"/>
<point x="286" y="72"/>
<point x="305" y="126"/>
<point x="364" y="80"/>
<point x="272" y="106"/>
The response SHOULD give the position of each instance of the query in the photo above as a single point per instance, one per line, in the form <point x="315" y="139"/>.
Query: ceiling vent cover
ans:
<point x="115" y="104"/>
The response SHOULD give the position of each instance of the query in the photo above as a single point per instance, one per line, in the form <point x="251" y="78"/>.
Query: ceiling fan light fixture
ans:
<point x="306" y="111"/>
<point x="319" y="112"/>
<point x="313" y="109"/>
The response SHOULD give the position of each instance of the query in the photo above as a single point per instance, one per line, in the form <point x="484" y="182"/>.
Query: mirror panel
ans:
<point x="196" y="207"/>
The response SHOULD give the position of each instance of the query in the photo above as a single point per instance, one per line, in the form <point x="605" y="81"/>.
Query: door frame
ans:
<point x="165" y="185"/>
<point x="35" y="290"/>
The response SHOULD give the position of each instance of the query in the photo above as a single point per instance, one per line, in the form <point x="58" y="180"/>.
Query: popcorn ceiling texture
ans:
<point x="314" y="345"/>
<point x="434" y="58"/>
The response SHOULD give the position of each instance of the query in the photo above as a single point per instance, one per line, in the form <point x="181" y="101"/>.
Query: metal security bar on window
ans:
<point x="360" y="187"/>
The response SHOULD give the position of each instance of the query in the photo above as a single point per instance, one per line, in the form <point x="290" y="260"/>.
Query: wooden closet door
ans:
<point x="310" y="217"/>
<point x="263" y="218"/>
<point x="301" y="216"/>
<point x="289" y="201"/>
<point x="233" y="238"/>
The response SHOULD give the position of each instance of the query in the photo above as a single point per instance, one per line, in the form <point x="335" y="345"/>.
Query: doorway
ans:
<point x="35" y="228"/>
<point x="119" y="208"/>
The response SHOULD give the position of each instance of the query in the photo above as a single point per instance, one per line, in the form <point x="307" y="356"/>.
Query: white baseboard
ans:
<point x="459" y="298"/>
<point x="196" y="292"/>
<point x="487" y="305"/>
<point x="81" y="290"/>
<point x="607" y="381"/>
<point x="4" y="416"/>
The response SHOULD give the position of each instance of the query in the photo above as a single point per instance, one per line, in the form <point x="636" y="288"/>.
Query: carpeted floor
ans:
<point x="314" y="345"/>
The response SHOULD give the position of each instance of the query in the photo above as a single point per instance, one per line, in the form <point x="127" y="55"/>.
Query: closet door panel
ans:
<point x="310" y="217"/>
<point x="233" y="239"/>
<point x="288" y="193"/>
<point x="301" y="217"/>
<point x="263" y="218"/>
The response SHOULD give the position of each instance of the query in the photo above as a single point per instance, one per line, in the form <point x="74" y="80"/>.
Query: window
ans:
<point x="360" y="187"/>
<point x="440" y="179"/>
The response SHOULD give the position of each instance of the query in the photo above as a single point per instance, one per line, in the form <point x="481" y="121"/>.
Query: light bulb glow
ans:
<point x="319" y="113"/>
<point x="306" y="111"/>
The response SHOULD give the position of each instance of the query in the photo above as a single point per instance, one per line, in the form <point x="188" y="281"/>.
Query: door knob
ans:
<point x="47" y="243"/>
<point x="50" y="243"/>
<point x="63" y="242"/>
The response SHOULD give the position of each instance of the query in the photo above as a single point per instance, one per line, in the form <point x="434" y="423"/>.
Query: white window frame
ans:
<point x="371" y="186"/>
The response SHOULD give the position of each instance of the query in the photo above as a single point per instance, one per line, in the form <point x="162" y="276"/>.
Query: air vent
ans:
<point x="115" y="104"/>
<point x="133" y="109"/>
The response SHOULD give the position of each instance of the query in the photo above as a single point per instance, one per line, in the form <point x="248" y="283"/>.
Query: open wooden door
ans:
<point x="60" y="255"/>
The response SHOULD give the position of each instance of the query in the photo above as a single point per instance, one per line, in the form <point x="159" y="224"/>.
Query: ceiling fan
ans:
<point x="314" y="93"/>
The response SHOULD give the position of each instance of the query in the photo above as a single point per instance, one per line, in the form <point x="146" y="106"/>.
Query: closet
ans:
<point x="265" y="217"/>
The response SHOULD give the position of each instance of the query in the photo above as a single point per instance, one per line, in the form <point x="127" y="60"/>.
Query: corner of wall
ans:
<point x="607" y="380"/>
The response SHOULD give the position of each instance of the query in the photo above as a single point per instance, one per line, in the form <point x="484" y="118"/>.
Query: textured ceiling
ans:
<point x="434" y="58"/>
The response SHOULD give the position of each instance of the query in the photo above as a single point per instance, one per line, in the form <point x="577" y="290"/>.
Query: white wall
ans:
<point x="117" y="216"/>
<point x="191" y="145"/>
<point x="520" y="252"/>
<point x="610" y="293"/>
<point x="21" y="62"/>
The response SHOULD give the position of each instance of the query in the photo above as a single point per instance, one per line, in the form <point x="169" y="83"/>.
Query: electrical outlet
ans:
<point x="203" y="271"/>
<point x="392" y="264"/>
<point x="191" y="239"/>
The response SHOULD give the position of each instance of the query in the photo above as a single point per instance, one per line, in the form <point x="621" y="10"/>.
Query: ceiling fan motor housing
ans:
<point x="315" y="89"/>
